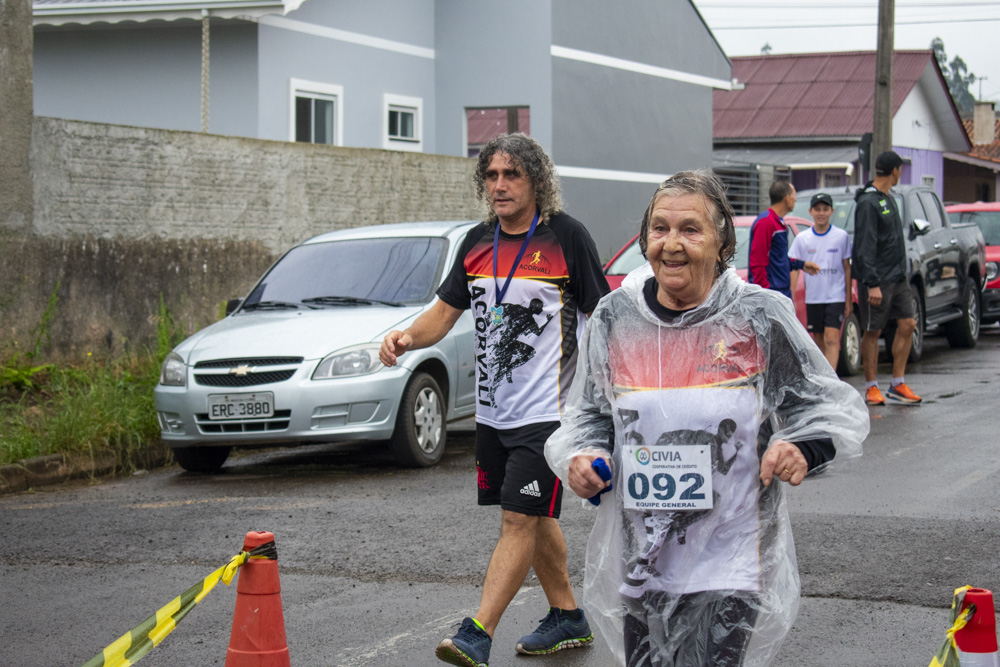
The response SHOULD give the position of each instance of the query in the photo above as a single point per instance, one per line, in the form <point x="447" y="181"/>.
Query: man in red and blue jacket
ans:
<point x="769" y="264"/>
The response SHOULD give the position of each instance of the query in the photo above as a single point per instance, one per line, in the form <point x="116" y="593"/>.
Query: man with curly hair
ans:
<point x="528" y="264"/>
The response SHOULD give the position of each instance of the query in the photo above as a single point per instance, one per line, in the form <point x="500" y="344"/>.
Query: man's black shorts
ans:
<point x="897" y="304"/>
<point x="512" y="472"/>
<point x="820" y="316"/>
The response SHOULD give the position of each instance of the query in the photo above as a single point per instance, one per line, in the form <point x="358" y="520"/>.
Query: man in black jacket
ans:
<point x="879" y="264"/>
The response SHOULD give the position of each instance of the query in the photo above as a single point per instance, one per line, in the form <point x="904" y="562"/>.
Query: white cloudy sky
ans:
<point x="969" y="28"/>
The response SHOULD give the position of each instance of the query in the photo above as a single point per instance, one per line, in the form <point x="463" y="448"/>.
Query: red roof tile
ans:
<point x="990" y="151"/>
<point x="809" y="95"/>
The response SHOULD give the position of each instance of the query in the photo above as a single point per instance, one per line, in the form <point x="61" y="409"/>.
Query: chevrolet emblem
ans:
<point x="241" y="370"/>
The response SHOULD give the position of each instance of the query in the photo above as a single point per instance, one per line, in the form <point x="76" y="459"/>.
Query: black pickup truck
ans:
<point x="946" y="266"/>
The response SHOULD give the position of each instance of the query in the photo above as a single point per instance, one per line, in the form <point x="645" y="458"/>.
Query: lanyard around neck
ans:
<point x="520" y="253"/>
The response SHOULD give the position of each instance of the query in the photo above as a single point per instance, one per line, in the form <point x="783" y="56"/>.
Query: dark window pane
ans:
<point x="324" y="121"/>
<point x="303" y="119"/>
<point x="406" y="125"/>
<point x="393" y="123"/>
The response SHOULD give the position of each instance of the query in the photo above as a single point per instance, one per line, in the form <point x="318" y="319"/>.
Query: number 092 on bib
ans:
<point x="667" y="477"/>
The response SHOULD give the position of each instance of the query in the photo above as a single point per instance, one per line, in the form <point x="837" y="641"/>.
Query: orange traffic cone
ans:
<point x="977" y="641"/>
<point x="258" y="636"/>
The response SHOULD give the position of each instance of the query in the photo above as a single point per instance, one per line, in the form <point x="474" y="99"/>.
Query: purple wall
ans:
<point x="922" y="163"/>
<point x="805" y="179"/>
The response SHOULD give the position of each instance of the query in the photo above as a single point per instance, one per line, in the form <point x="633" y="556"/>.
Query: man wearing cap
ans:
<point x="769" y="265"/>
<point x="883" y="291"/>
<point x="828" y="293"/>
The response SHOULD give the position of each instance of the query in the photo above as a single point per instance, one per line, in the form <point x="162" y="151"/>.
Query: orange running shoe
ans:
<point x="874" y="397"/>
<point x="903" y="394"/>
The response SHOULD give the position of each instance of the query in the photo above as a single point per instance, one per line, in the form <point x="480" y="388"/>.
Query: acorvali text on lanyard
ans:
<point x="497" y="310"/>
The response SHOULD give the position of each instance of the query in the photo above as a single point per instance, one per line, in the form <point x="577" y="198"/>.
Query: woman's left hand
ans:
<point x="784" y="461"/>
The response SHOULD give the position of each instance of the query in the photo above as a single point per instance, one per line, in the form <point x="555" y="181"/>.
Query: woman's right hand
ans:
<point x="582" y="477"/>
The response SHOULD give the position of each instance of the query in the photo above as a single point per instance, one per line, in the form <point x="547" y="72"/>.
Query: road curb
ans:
<point x="57" y="468"/>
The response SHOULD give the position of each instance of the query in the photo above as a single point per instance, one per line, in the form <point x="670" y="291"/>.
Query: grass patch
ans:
<point x="90" y="409"/>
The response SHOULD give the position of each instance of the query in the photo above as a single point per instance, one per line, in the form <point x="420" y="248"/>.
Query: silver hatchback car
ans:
<point x="296" y="361"/>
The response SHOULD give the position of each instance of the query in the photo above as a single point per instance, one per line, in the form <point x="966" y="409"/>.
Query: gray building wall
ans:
<point x="491" y="58"/>
<point x="365" y="72"/>
<point x="125" y="214"/>
<point x="147" y="75"/>
<point x="607" y="118"/>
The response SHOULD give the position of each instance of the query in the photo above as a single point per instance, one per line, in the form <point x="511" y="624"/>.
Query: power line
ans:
<point x="846" y="5"/>
<point x="772" y="26"/>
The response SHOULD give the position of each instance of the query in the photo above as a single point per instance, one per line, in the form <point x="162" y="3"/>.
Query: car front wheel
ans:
<point x="917" y="345"/>
<point x="964" y="332"/>
<point x="418" y="440"/>
<point x="201" y="459"/>
<point x="850" y="347"/>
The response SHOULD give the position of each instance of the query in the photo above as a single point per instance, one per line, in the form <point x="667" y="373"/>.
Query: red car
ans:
<point x="987" y="216"/>
<point x="630" y="257"/>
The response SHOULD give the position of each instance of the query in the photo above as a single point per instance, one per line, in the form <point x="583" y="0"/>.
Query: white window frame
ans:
<point x="314" y="89"/>
<point x="928" y="180"/>
<point x="404" y="103"/>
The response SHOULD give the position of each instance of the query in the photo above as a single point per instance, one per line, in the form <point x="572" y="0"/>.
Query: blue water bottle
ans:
<point x="600" y="466"/>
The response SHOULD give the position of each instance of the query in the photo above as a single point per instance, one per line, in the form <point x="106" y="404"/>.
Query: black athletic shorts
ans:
<point x="820" y="316"/>
<point x="897" y="304"/>
<point x="511" y="470"/>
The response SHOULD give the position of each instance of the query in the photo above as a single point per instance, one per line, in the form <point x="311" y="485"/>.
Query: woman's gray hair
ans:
<point x="702" y="182"/>
<point x="528" y="156"/>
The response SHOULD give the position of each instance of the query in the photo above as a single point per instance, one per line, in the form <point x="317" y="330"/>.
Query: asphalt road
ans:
<point x="377" y="563"/>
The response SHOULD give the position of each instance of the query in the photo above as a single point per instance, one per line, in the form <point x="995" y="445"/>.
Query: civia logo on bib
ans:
<point x="643" y="456"/>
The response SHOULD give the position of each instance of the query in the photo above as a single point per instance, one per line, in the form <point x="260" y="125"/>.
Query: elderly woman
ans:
<point x="701" y="392"/>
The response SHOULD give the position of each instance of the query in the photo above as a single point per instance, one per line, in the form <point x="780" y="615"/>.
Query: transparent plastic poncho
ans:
<point x="728" y="377"/>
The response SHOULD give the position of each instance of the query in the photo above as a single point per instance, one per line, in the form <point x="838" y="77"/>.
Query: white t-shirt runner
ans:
<point x="828" y="250"/>
<point x="526" y="353"/>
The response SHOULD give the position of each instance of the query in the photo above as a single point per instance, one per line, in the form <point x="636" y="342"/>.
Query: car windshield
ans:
<point x="988" y="221"/>
<point x="355" y="272"/>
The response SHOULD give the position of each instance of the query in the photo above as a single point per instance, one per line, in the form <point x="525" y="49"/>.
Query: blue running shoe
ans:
<point x="555" y="633"/>
<point x="470" y="647"/>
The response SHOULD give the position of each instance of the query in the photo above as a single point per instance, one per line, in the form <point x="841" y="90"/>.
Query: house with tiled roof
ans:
<point x="809" y="112"/>
<point x="975" y="175"/>
<point x="615" y="105"/>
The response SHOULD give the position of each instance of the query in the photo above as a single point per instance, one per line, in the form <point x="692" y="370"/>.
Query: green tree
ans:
<point x="958" y="77"/>
<point x="766" y="49"/>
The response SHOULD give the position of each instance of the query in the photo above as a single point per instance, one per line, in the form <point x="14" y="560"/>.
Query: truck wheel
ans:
<point x="917" y="346"/>
<point x="850" y="347"/>
<point x="201" y="459"/>
<point x="418" y="440"/>
<point x="964" y="332"/>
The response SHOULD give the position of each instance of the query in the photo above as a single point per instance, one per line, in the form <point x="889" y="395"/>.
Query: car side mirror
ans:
<point x="921" y="227"/>
<point x="232" y="305"/>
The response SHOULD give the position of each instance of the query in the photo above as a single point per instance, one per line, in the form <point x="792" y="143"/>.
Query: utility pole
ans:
<point x="204" y="70"/>
<point x="16" y="115"/>
<point x="882" y="136"/>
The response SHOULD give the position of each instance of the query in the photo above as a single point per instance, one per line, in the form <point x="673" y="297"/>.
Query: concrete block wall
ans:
<point x="123" y="215"/>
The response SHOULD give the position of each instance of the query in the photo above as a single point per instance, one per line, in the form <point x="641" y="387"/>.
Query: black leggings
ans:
<point x="709" y="629"/>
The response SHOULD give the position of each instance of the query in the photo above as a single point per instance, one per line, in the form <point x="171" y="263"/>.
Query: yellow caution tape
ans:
<point x="947" y="656"/>
<point x="140" y="640"/>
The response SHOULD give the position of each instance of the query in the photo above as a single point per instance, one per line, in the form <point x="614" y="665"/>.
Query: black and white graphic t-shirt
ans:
<point x="526" y="348"/>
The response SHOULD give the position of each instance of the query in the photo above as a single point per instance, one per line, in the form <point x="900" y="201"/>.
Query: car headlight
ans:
<point x="359" y="360"/>
<point x="992" y="271"/>
<point x="173" y="373"/>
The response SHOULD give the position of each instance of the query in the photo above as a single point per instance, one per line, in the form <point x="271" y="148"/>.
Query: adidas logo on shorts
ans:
<point x="532" y="489"/>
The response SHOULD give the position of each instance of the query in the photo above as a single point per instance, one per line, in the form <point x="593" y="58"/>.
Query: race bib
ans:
<point x="667" y="477"/>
